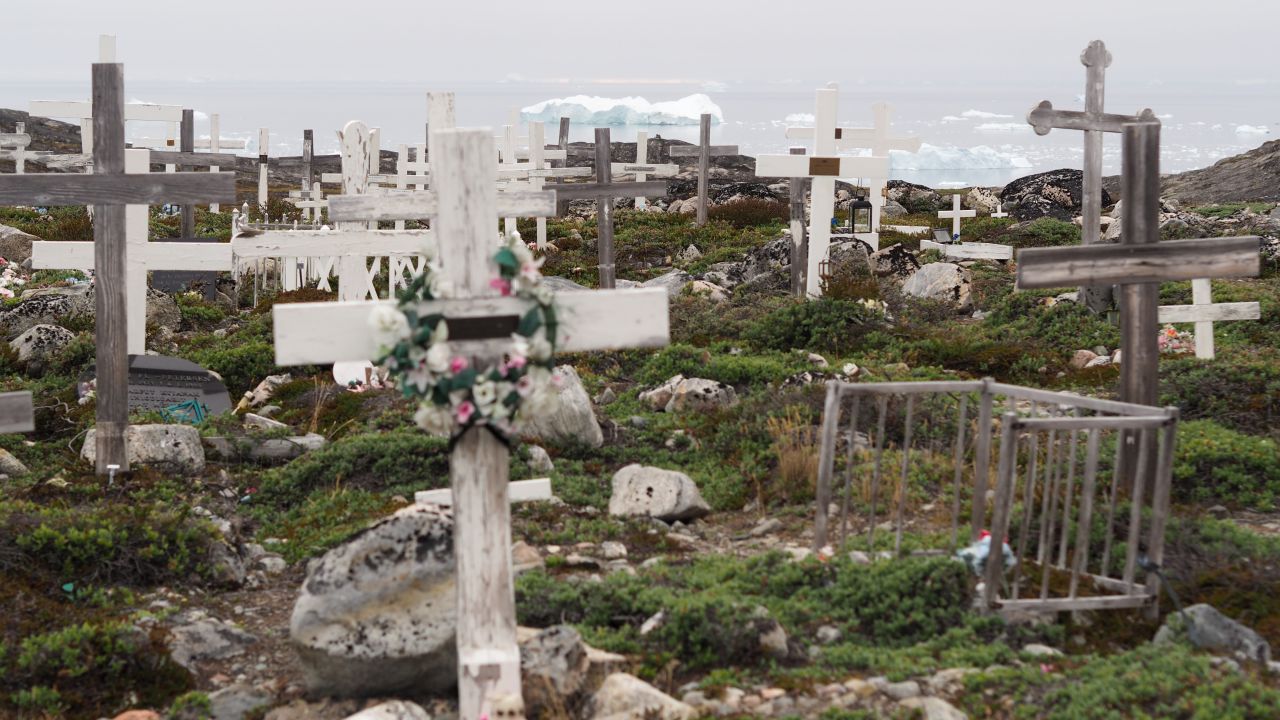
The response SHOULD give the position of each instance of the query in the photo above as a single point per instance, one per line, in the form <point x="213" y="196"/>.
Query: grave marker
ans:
<point x="1204" y="312"/>
<point x="824" y="166"/>
<point x="17" y="415"/>
<point x="704" y="150"/>
<point x="955" y="213"/>
<point x="110" y="190"/>
<point x="13" y="146"/>
<point x="158" y="382"/>
<point x="464" y="206"/>
<point x="642" y="168"/>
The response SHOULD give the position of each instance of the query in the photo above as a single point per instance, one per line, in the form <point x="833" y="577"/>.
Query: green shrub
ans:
<point x="324" y="520"/>
<point x="730" y="369"/>
<point x="1043" y="232"/>
<point x="818" y="325"/>
<point x="1240" y="393"/>
<point x="1216" y="464"/>
<point x="198" y="314"/>
<point x="241" y="366"/>
<point x="750" y="212"/>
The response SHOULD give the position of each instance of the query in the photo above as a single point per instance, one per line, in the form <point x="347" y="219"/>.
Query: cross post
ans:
<point x="641" y="168"/>
<point x="110" y="189"/>
<point x="955" y="213"/>
<point x="464" y="208"/>
<point x="799" y="187"/>
<point x="703" y="151"/>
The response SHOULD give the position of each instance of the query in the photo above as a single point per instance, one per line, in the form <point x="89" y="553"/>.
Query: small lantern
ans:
<point x="859" y="203"/>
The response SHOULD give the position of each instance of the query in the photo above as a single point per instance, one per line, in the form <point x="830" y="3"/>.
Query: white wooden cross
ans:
<point x="999" y="213"/>
<point x="955" y="213"/>
<point x="115" y="193"/>
<point x="642" y="168"/>
<point x="824" y="166"/>
<point x="13" y="146"/>
<point x="704" y="150"/>
<point x="264" y="149"/>
<point x="878" y="140"/>
<point x="142" y="256"/>
<point x="464" y="206"/>
<point x="533" y="174"/>
<point x="1204" y="312"/>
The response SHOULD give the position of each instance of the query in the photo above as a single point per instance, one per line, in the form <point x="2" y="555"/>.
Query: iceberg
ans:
<point x="932" y="157"/>
<point x="600" y="111"/>
<point x="800" y="119"/>
<point x="983" y="115"/>
<point x="1251" y="130"/>
<point x="1002" y="127"/>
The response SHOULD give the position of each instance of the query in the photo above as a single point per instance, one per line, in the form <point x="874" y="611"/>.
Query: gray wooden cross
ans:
<point x="464" y="209"/>
<point x="603" y="191"/>
<point x="16" y="412"/>
<point x="13" y="146"/>
<point x="1140" y="262"/>
<point x="1094" y="122"/>
<point x="704" y="150"/>
<point x="110" y="189"/>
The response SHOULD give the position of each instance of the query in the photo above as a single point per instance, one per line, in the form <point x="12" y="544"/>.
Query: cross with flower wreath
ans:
<point x="472" y="341"/>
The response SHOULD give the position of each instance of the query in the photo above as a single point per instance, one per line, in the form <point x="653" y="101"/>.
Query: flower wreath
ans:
<point x="452" y="395"/>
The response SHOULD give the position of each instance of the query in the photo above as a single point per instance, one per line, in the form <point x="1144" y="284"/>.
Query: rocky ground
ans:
<point x="672" y="576"/>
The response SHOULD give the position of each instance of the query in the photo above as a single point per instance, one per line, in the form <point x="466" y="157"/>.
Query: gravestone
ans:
<point x="172" y="281"/>
<point x="157" y="382"/>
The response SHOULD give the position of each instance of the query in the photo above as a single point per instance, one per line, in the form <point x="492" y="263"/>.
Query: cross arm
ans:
<point x="118" y="189"/>
<point x="1216" y="312"/>
<point x="1123" y="264"/>
<point x="1044" y="118"/>
<point x="76" y="255"/>
<point x="664" y="170"/>
<point x="325" y="243"/>
<point x="815" y="166"/>
<point x="408" y="206"/>
<point x="15" y="140"/>
<point x="192" y="159"/>
<point x="696" y="150"/>
<point x="849" y="138"/>
<point x="83" y="109"/>
<point x="595" y="191"/>
<point x="596" y="320"/>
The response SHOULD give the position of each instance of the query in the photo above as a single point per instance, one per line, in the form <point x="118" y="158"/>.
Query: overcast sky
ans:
<point x="809" y="41"/>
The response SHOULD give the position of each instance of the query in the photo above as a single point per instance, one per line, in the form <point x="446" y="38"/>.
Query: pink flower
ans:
<point x="464" y="411"/>
<point x="516" y="362"/>
<point x="502" y="285"/>
<point x="457" y="364"/>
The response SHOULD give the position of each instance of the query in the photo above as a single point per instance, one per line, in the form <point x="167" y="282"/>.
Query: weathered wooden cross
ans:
<point x="603" y="191"/>
<point x="642" y="168"/>
<point x="187" y="142"/>
<point x="876" y="139"/>
<point x="111" y="189"/>
<point x="1204" y="312"/>
<point x="13" y="146"/>
<point x="955" y="213"/>
<point x="464" y="207"/>
<point x="532" y="175"/>
<point x="824" y="166"/>
<point x="704" y="150"/>
<point x="1140" y="262"/>
<point x="16" y="412"/>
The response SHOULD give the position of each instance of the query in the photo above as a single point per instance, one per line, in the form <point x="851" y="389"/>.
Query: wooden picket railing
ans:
<point x="1065" y="467"/>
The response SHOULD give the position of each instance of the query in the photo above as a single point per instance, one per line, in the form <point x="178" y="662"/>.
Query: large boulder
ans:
<point x="392" y="710"/>
<point x="39" y="345"/>
<point x="172" y="448"/>
<point x="626" y="697"/>
<point x="982" y="200"/>
<point x="1207" y="629"/>
<point x="162" y="310"/>
<point x="574" y="420"/>
<point x="701" y="394"/>
<point x="377" y="615"/>
<point x="915" y="198"/>
<point x="673" y="282"/>
<point x="943" y="281"/>
<point x="657" y="398"/>
<point x="663" y="494"/>
<point x="893" y="262"/>
<point x="48" y="306"/>
<point x="15" y="245"/>
<point x="1056" y="194"/>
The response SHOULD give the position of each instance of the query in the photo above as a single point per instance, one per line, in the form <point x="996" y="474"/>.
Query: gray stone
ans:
<point x="626" y="697"/>
<point x="15" y="245"/>
<point x="11" y="466"/>
<point x="673" y="281"/>
<point x="574" y="419"/>
<point x="933" y="708"/>
<point x="773" y="639"/>
<point x="689" y="254"/>
<point x="902" y="690"/>
<point x="377" y="614"/>
<point x="1038" y="650"/>
<point x="893" y="262"/>
<point x="1082" y="358"/>
<point x="943" y="281"/>
<point x="701" y="394"/>
<point x="829" y="634"/>
<point x="48" y="306"/>
<point x="663" y="494"/>
<point x="892" y="209"/>
<point x="392" y="710"/>
<point x="259" y="422"/>
<point x="235" y="701"/>
<point x="173" y="448"/>
<point x="207" y="639"/>
<point x="613" y="550"/>
<point x="553" y="668"/>
<point x="539" y="460"/>
<point x="559" y="284"/>
<point x="39" y="345"/>
<point x="766" y="526"/>
<point x="709" y="290"/>
<point x="657" y="398"/>
<point x="1207" y="629"/>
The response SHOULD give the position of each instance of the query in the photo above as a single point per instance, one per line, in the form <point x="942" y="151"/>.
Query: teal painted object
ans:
<point x="191" y="412"/>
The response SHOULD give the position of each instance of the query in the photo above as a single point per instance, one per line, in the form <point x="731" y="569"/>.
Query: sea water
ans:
<point x="973" y="134"/>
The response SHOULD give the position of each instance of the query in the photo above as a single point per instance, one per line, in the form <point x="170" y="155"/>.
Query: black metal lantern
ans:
<point x="856" y="204"/>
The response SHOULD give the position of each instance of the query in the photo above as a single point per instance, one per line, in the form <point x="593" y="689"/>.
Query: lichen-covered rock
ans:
<point x="915" y="198"/>
<point x="392" y="710"/>
<point x="15" y="245"/>
<point x="947" y="282"/>
<point x="626" y="697"/>
<point x="1056" y="194"/>
<point x="895" y="262"/>
<point x="48" y="306"/>
<point x="700" y="394"/>
<point x="574" y="419"/>
<point x="553" y="668"/>
<point x="673" y="282"/>
<point x="39" y="345"/>
<point x="657" y="398"/>
<point x="982" y="200"/>
<point x="173" y="448"/>
<point x="1207" y="629"/>
<point x="663" y="494"/>
<point x="378" y="614"/>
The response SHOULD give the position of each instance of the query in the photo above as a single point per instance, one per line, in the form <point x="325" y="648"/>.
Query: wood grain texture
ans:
<point x="16" y="412"/>
<point x="193" y="159"/>
<point x="1154" y="262"/>
<point x="118" y="189"/>
<point x="606" y="189"/>
<point x="788" y="166"/>
<point x="1216" y="312"/>
<point x="517" y="491"/>
<point x="418" y="205"/>
<point x="604" y="211"/>
<point x="155" y="255"/>
<point x="82" y="110"/>
<point x="329" y="243"/>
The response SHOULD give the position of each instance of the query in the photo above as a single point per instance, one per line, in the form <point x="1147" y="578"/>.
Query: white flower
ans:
<point x="441" y="333"/>
<point x="389" y="326"/>
<point x="485" y="394"/>
<point x="539" y="349"/>
<point x="543" y="294"/>
<point x="438" y="358"/>
<point x="433" y="418"/>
